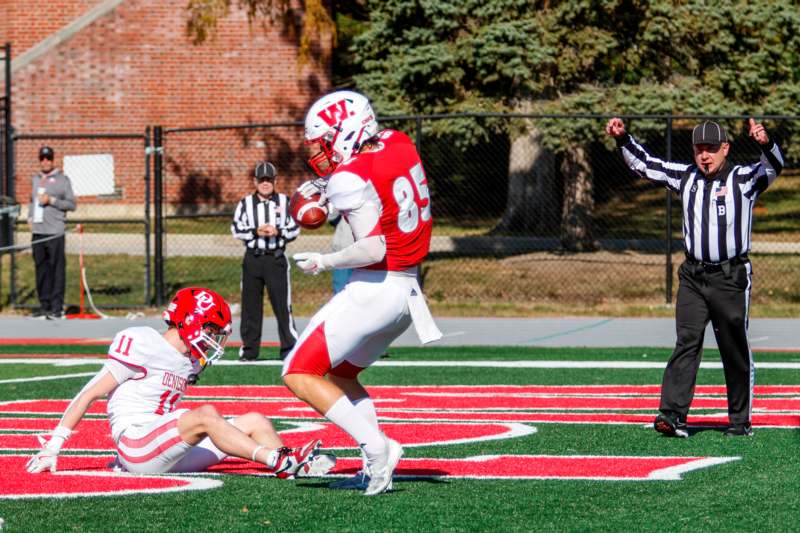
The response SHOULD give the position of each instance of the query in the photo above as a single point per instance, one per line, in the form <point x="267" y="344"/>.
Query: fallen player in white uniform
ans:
<point x="145" y="378"/>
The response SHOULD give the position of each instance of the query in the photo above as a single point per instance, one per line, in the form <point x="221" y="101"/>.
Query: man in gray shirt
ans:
<point x="51" y="198"/>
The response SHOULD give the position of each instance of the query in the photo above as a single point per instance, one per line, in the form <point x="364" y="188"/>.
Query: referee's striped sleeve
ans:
<point x="759" y="176"/>
<point x="645" y="165"/>
<point x="242" y="227"/>
<point x="291" y="231"/>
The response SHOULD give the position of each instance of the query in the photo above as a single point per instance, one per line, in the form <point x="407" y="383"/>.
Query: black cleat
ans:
<point x="739" y="430"/>
<point x="671" y="426"/>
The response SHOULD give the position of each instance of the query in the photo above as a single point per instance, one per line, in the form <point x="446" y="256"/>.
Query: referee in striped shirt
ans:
<point x="716" y="278"/>
<point x="263" y="223"/>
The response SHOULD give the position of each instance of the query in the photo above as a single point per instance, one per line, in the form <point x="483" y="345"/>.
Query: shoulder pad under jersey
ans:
<point x="133" y="346"/>
<point x="345" y="190"/>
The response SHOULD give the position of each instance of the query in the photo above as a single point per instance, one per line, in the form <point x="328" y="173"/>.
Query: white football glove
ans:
<point x="310" y="262"/>
<point x="312" y="187"/>
<point x="44" y="460"/>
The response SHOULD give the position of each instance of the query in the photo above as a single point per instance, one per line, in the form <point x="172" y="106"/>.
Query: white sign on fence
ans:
<point x="91" y="174"/>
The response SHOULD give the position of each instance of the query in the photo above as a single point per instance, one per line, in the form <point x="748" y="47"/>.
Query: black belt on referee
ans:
<point x="722" y="266"/>
<point x="258" y="252"/>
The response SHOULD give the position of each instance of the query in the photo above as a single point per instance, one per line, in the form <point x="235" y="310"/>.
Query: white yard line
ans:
<point x="640" y="365"/>
<point x="48" y="378"/>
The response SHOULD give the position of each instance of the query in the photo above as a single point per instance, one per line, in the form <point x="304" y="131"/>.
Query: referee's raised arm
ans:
<point x="642" y="162"/>
<point x="756" y="178"/>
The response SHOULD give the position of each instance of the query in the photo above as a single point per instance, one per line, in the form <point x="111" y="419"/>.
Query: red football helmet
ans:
<point x="203" y="320"/>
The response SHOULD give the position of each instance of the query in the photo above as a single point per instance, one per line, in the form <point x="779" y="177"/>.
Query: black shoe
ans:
<point x="739" y="430"/>
<point x="244" y="359"/>
<point x="671" y="426"/>
<point x="40" y="313"/>
<point x="55" y="315"/>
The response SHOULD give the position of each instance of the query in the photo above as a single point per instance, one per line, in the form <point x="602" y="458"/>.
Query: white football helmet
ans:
<point x="340" y="122"/>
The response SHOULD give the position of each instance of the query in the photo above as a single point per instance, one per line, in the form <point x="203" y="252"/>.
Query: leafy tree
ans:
<point x="203" y="16"/>
<point x="564" y="56"/>
<point x="578" y="56"/>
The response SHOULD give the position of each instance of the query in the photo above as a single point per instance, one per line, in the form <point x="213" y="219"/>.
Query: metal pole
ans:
<point x="668" y="273"/>
<point x="12" y="283"/>
<point x="418" y="139"/>
<point x="158" y="191"/>
<point x="6" y="222"/>
<point x="7" y="119"/>
<point x="9" y="172"/>
<point x="147" y="152"/>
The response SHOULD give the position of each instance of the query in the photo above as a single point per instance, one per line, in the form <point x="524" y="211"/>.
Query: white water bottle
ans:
<point x="38" y="210"/>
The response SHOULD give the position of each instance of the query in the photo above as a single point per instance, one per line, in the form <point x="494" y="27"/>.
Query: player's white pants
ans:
<point x="356" y="326"/>
<point x="157" y="447"/>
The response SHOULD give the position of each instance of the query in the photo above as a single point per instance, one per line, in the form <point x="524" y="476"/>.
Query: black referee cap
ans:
<point x="265" y="171"/>
<point x="45" y="152"/>
<point x="709" y="132"/>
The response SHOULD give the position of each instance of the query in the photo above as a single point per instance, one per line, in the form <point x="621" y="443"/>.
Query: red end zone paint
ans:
<point x="90" y="478"/>
<point x="392" y="391"/>
<point x="599" y="467"/>
<point x="94" y="434"/>
<point x="296" y="408"/>
<point x="774" y="405"/>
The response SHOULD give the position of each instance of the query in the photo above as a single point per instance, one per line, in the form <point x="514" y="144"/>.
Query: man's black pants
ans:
<point x="51" y="264"/>
<point x="270" y="270"/>
<point x="709" y="292"/>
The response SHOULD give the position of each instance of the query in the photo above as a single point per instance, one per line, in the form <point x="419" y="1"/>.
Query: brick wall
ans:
<point x="135" y="67"/>
<point x="25" y="23"/>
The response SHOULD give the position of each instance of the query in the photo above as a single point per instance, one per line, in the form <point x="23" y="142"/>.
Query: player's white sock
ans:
<point x="366" y="407"/>
<point x="344" y="414"/>
<point x="272" y="457"/>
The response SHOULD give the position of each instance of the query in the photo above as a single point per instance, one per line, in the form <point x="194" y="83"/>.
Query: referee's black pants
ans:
<point x="270" y="270"/>
<point x="51" y="266"/>
<point x="723" y="297"/>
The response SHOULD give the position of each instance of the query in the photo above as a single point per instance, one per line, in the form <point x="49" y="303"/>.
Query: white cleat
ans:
<point x="319" y="465"/>
<point x="360" y="481"/>
<point x="382" y="467"/>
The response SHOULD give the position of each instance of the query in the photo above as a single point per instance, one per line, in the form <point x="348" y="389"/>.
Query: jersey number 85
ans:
<point x="409" y="212"/>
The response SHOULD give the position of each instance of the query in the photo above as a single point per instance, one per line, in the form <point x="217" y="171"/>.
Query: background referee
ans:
<point x="715" y="280"/>
<point x="262" y="221"/>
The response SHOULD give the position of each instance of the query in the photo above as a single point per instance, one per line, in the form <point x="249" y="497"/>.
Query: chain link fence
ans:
<point x="110" y="176"/>
<point x="533" y="214"/>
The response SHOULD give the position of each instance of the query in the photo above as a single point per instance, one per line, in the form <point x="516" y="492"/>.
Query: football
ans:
<point x="307" y="212"/>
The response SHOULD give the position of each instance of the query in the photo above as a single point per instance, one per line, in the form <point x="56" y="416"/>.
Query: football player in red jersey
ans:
<point x="376" y="181"/>
<point x="145" y="378"/>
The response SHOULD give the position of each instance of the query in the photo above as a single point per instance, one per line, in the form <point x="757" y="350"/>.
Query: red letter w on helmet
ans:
<point x="334" y="113"/>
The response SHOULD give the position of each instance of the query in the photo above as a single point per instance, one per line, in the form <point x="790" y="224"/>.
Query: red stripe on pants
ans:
<point x="141" y="442"/>
<point x="312" y="356"/>
<point x="161" y="448"/>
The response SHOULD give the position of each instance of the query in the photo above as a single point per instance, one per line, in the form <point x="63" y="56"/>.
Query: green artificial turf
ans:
<point x="757" y="492"/>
